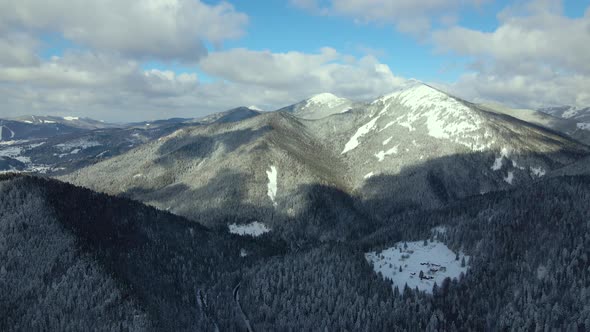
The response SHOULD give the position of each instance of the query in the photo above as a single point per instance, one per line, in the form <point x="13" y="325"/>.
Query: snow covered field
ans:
<point x="254" y="229"/>
<point x="435" y="260"/>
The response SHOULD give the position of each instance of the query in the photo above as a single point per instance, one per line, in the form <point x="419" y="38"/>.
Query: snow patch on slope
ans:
<point x="509" y="178"/>
<point x="362" y="131"/>
<point x="253" y="229"/>
<point x="538" y="171"/>
<point x="435" y="260"/>
<point x="381" y="154"/>
<point x="272" y="184"/>
<point x="498" y="162"/>
<point x="583" y="126"/>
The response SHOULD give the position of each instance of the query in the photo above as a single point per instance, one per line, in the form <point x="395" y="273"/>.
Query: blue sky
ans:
<point x="160" y="58"/>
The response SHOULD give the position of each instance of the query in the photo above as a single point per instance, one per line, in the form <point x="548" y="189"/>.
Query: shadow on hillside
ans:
<point x="319" y="212"/>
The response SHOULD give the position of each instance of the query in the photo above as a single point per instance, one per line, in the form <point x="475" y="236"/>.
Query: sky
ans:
<point x="129" y="60"/>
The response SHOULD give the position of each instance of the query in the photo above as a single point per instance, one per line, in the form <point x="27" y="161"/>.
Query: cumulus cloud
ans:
<point x="115" y="88"/>
<point x="410" y="16"/>
<point x="160" y="29"/>
<point x="303" y="74"/>
<point x="537" y="56"/>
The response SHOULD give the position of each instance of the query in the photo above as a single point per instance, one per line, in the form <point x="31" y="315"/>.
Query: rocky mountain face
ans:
<point x="415" y="148"/>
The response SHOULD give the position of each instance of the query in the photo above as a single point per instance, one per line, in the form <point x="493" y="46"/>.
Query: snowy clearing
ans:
<point x="387" y="140"/>
<point x="583" y="126"/>
<point x="538" y="171"/>
<point x="272" y="184"/>
<point x="509" y="178"/>
<point x="253" y="229"/>
<point x="368" y="175"/>
<point x="71" y="118"/>
<point x="381" y="154"/>
<point x="435" y="260"/>
<point x="498" y="162"/>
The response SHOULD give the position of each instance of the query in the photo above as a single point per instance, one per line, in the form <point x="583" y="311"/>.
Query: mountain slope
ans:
<point x="554" y="122"/>
<point x="415" y="148"/>
<point x="93" y="261"/>
<point x="468" y="149"/>
<point x="248" y="168"/>
<point x="580" y="114"/>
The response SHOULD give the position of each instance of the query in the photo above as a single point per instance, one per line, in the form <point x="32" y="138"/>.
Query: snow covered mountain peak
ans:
<point x="327" y="99"/>
<point x="319" y="106"/>
<point x="419" y="106"/>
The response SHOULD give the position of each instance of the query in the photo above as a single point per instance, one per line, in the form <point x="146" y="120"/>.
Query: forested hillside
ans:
<point x="72" y="259"/>
<point x="149" y="270"/>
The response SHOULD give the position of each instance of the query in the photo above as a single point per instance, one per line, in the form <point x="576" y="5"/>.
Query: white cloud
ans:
<point x="537" y="56"/>
<point x="301" y="74"/>
<point x="160" y="29"/>
<point x="406" y="15"/>
<point x="17" y="49"/>
<point x="115" y="88"/>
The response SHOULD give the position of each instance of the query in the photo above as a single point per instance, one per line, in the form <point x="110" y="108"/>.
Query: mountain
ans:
<point x="11" y="130"/>
<point x="416" y="148"/>
<point x="578" y="114"/>
<point x="319" y="106"/>
<point x="71" y="121"/>
<point x="567" y="126"/>
<point x="233" y="115"/>
<point x="442" y="148"/>
<point x="65" y="152"/>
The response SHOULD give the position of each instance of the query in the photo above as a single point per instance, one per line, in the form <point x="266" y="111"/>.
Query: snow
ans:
<point x="11" y="132"/>
<point x="362" y="131"/>
<point x="381" y="154"/>
<point x="583" y="126"/>
<point x="570" y="113"/>
<point x="509" y="178"/>
<point x="538" y="171"/>
<point x="255" y="108"/>
<point x="137" y="176"/>
<point x="243" y="252"/>
<point x="387" y="140"/>
<point x="253" y="229"/>
<point x="48" y="121"/>
<point x="498" y="162"/>
<point x="445" y="117"/>
<point x="326" y="99"/>
<point x="71" y="118"/>
<point x="368" y="175"/>
<point x="272" y="184"/>
<point x="435" y="260"/>
<point x="27" y="121"/>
